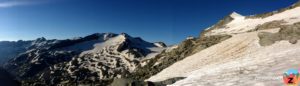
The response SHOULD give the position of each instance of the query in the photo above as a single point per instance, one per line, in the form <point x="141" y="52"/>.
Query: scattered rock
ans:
<point x="290" y="33"/>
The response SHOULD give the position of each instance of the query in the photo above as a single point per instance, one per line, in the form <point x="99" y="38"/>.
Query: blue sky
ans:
<point x="170" y="21"/>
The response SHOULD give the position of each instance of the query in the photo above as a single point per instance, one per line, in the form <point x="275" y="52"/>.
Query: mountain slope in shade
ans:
<point x="260" y="50"/>
<point x="94" y="59"/>
<point x="10" y="50"/>
<point x="8" y="80"/>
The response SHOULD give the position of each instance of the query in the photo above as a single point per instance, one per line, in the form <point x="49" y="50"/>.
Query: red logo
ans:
<point x="291" y="77"/>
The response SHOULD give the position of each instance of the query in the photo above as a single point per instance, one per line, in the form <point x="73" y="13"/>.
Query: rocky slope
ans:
<point x="260" y="50"/>
<point x="177" y="53"/>
<point x="92" y="60"/>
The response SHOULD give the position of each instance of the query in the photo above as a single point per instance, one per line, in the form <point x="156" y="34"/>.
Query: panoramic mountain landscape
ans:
<point x="251" y="50"/>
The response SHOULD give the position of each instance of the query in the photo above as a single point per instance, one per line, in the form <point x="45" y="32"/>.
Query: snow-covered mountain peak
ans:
<point x="108" y="35"/>
<point x="102" y="36"/>
<point x="190" y="37"/>
<point x="240" y="24"/>
<point x="160" y="44"/>
<point x="125" y="35"/>
<point x="119" y="42"/>
<point x="40" y="39"/>
<point x="235" y="15"/>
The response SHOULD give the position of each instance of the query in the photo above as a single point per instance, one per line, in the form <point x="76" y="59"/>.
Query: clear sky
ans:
<point x="170" y="21"/>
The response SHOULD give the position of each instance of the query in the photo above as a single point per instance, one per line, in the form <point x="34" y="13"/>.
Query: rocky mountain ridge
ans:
<point x="97" y="58"/>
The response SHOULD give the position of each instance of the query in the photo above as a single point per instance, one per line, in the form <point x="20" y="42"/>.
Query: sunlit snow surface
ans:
<point x="240" y="60"/>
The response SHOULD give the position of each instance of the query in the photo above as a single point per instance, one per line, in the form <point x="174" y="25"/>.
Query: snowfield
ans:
<point x="239" y="60"/>
<point x="235" y="62"/>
